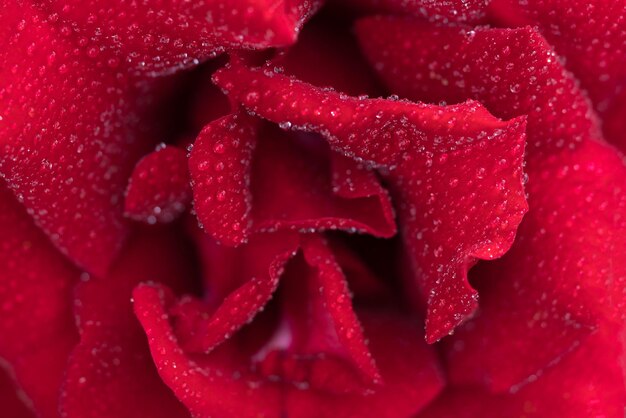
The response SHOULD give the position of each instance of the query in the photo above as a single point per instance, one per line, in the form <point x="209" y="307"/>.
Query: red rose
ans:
<point x="283" y="208"/>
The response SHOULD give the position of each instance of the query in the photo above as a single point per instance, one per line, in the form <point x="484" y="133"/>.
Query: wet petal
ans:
<point x="159" y="188"/>
<point x="512" y="72"/>
<point x="452" y="169"/>
<point x="70" y="136"/>
<point x="450" y="11"/>
<point x="111" y="373"/>
<point x="408" y="367"/>
<point x="157" y="37"/>
<point x="36" y="323"/>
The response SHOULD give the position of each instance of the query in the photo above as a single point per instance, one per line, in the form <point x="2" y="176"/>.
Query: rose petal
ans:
<point x="545" y="267"/>
<point x="159" y="188"/>
<point x="586" y="384"/>
<point x="207" y="385"/>
<point x="220" y="166"/>
<point x="564" y="274"/>
<point x="252" y="272"/>
<point x="111" y="373"/>
<point x="70" y="136"/>
<point x="416" y="142"/>
<point x="319" y="342"/>
<point x="449" y="11"/>
<point x="156" y="37"/>
<point x="589" y="34"/>
<point x="36" y="324"/>
<point x="513" y="72"/>
<point x="272" y="184"/>
<point x="14" y="403"/>
<point x="327" y="55"/>
<point x="299" y="183"/>
<point x="408" y="367"/>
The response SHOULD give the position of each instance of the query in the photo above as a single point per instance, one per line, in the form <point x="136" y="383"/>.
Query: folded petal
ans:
<point x="512" y="72"/>
<point x="252" y="274"/>
<point x="588" y="34"/>
<point x="545" y="308"/>
<point x="209" y="385"/>
<point x="159" y="188"/>
<point x="250" y="176"/>
<point x="587" y="384"/>
<point x="454" y="168"/>
<point x="37" y="329"/>
<point x="111" y="373"/>
<point x="318" y="342"/>
<point x="408" y="368"/>
<point x="447" y="11"/>
<point x="70" y="136"/>
<point x="160" y="37"/>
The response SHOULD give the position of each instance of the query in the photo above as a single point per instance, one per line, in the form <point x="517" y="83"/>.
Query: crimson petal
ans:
<point x="589" y="34"/>
<point x="13" y="402"/>
<point x="587" y="384"/>
<point x="159" y="188"/>
<point x="565" y="276"/>
<point x="110" y="373"/>
<point x="160" y="37"/>
<point x="206" y="385"/>
<point x="503" y="69"/>
<point x="252" y="272"/>
<point x="70" y="136"/>
<point x="250" y="177"/>
<point x="407" y="365"/>
<point x="318" y="334"/>
<point x="513" y="72"/>
<point x="449" y="11"/>
<point x="36" y="324"/>
<point x="433" y="163"/>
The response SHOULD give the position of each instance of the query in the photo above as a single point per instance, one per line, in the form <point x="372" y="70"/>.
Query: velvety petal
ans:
<point x="319" y="343"/>
<point x="565" y="275"/>
<point x="250" y="176"/>
<point x="588" y="34"/>
<point x="14" y="403"/>
<point x="407" y="365"/>
<point x="453" y="169"/>
<point x="209" y="385"/>
<point x="111" y="373"/>
<point x="513" y="72"/>
<point x="36" y="326"/>
<point x="328" y="55"/>
<point x="299" y="183"/>
<point x="251" y="272"/>
<point x="159" y="188"/>
<point x="220" y="166"/>
<point x="503" y="69"/>
<point x="159" y="37"/>
<point x="70" y="136"/>
<point x="586" y="384"/>
<point x="446" y="11"/>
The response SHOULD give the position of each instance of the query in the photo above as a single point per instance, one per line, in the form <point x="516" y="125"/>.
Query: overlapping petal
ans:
<point x="586" y="384"/>
<point x="588" y="34"/>
<point x="162" y="36"/>
<point x="71" y="132"/>
<point x="452" y="169"/>
<point x="250" y="176"/>
<point x="159" y="188"/>
<point x="446" y="11"/>
<point x="111" y="373"/>
<point x="555" y="274"/>
<point x="13" y="402"/>
<point x="512" y="72"/>
<point x="36" y="326"/>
